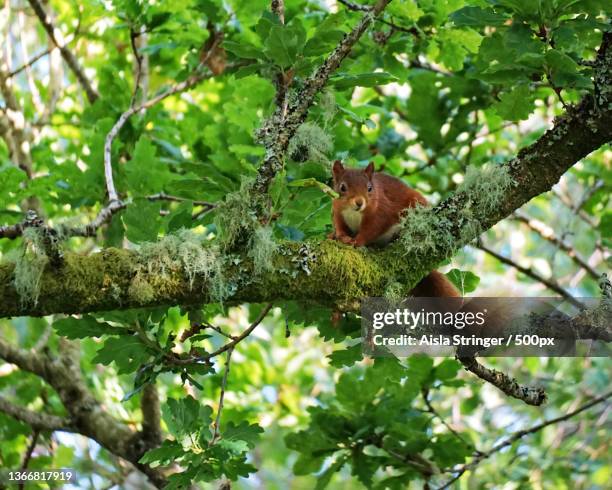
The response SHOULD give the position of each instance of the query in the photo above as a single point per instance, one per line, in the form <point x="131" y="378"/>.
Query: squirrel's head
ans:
<point x="355" y="186"/>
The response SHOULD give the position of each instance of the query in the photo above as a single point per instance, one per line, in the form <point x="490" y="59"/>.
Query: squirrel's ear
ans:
<point x="338" y="169"/>
<point x="369" y="170"/>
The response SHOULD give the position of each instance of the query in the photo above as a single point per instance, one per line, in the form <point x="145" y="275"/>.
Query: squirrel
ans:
<point x="368" y="212"/>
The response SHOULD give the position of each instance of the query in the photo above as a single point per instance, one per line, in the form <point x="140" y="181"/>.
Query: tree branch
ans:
<point x="355" y="7"/>
<point x="519" y="435"/>
<point x="507" y="384"/>
<point x="548" y="234"/>
<point x="549" y="283"/>
<point x="38" y="421"/>
<point x="217" y="423"/>
<point x="230" y="345"/>
<point x="87" y="415"/>
<point x="186" y="84"/>
<point x="151" y="415"/>
<point x="68" y="55"/>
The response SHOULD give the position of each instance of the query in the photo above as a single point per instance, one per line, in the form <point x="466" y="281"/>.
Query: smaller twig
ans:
<point x="68" y="55"/>
<point x="217" y="424"/>
<point x="434" y="412"/>
<point x="47" y="51"/>
<point x="38" y="421"/>
<point x="355" y="7"/>
<point x="549" y="283"/>
<point x="30" y="450"/>
<point x="162" y="196"/>
<point x="588" y="219"/>
<point x="28" y="455"/>
<point x="528" y="394"/>
<point x="229" y="345"/>
<point x="197" y="327"/>
<point x="218" y="330"/>
<point x="189" y="82"/>
<point x="11" y="231"/>
<point x="519" y="435"/>
<point x="31" y="62"/>
<point x="103" y="217"/>
<point x="548" y="234"/>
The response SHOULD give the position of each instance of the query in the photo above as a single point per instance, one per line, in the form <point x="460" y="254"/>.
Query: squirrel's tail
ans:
<point x="435" y="285"/>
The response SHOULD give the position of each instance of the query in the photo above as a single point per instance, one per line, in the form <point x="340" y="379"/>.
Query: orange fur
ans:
<point x="369" y="206"/>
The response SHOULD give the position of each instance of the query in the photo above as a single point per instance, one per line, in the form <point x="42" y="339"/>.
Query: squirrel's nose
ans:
<point x="359" y="203"/>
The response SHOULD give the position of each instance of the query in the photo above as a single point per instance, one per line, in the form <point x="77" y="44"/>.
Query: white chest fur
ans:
<point x="352" y="219"/>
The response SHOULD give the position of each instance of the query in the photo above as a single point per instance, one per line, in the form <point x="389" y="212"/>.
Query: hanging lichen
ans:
<point x="262" y="249"/>
<point x="235" y="218"/>
<point x="29" y="266"/>
<point x="186" y="251"/>
<point x="310" y="142"/>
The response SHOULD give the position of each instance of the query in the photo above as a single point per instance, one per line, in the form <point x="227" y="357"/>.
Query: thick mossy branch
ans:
<point x="326" y="272"/>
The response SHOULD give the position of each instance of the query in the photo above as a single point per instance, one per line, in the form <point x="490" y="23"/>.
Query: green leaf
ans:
<point x="80" y="328"/>
<point x="450" y="450"/>
<point x="345" y="81"/>
<point x="327" y="35"/>
<point x="245" y="50"/>
<point x="418" y="369"/>
<point x="128" y="353"/>
<point x="141" y="219"/>
<point x="167" y="453"/>
<point x="312" y="182"/>
<point x="346" y="357"/>
<point x="249" y="433"/>
<point x="324" y="479"/>
<point x="447" y="369"/>
<point x="307" y="463"/>
<point x="564" y="71"/>
<point x="605" y="225"/>
<point x="186" y="415"/>
<point x="515" y="105"/>
<point x="464" y="281"/>
<point x="284" y="43"/>
<point x="477" y="17"/>
<point x="197" y="189"/>
<point x="145" y="162"/>
<point x="457" y="43"/>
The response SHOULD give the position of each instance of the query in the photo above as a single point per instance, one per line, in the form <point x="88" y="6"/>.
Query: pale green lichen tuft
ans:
<point x="187" y="251"/>
<point x="482" y="191"/>
<point x="310" y="142"/>
<point x="262" y="249"/>
<point x="235" y="218"/>
<point x="328" y="105"/>
<point x="29" y="267"/>
<point x="423" y="232"/>
<point x="487" y="186"/>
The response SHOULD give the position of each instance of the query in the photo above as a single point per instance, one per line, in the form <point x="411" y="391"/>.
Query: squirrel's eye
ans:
<point x="370" y="187"/>
<point x="342" y="187"/>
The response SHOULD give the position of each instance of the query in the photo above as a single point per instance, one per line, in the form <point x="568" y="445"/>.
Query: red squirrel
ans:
<point x="368" y="212"/>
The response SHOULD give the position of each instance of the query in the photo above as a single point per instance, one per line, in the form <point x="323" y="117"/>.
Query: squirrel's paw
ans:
<point x="347" y="239"/>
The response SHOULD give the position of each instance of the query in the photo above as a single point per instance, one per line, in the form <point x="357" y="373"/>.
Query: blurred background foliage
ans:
<point x="432" y="88"/>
